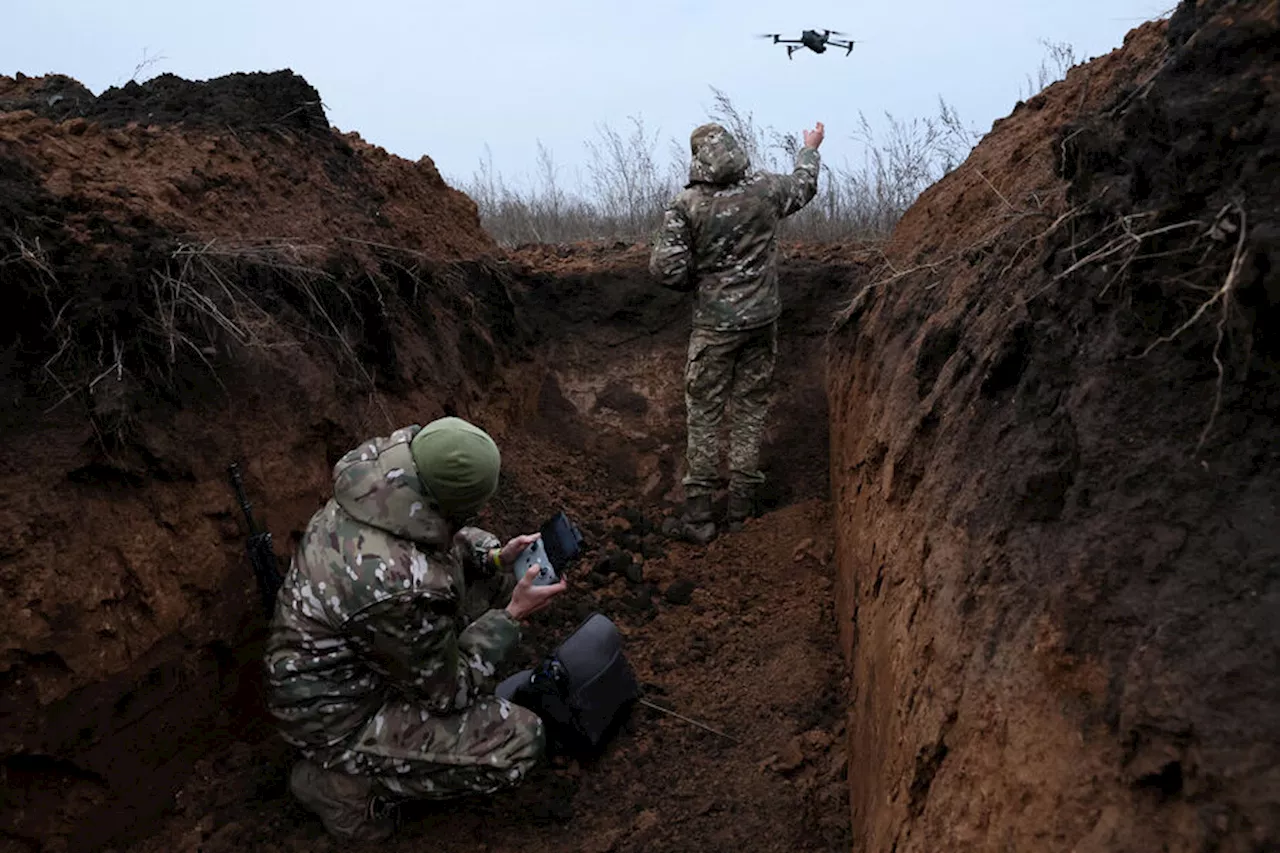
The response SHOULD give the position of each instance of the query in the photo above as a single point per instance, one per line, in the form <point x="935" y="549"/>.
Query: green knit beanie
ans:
<point x="458" y="463"/>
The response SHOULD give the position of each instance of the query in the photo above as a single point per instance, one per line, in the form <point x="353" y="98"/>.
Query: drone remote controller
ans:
<point x="536" y="554"/>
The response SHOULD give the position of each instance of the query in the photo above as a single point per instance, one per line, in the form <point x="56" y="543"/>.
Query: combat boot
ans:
<point x="739" y="510"/>
<point x="697" y="525"/>
<point x="347" y="805"/>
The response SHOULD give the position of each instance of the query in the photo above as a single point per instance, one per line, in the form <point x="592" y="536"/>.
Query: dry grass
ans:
<point x="195" y="305"/>
<point x="629" y="178"/>
<point x="629" y="182"/>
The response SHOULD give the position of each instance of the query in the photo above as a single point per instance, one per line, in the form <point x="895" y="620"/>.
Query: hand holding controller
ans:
<point x="531" y="595"/>
<point x="538" y="567"/>
<point x="536" y="555"/>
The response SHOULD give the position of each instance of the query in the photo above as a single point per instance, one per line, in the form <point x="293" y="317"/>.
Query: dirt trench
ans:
<point x="164" y="745"/>
<point x="1054" y="471"/>
<point x="205" y="272"/>
<point x="1036" y="613"/>
<point x="741" y="636"/>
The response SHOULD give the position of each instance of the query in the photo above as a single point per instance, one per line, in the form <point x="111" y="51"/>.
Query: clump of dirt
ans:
<point x="55" y="96"/>
<point x="1055" y="473"/>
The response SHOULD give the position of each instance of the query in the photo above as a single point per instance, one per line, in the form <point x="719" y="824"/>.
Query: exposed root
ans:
<point x="1129" y="240"/>
<point x="1005" y="220"/>
<point x="192" y="303"/>
<point x="1222" y="226"/>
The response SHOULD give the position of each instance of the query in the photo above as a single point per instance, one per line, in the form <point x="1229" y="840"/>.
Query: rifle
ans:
<point x="261" y="555"/>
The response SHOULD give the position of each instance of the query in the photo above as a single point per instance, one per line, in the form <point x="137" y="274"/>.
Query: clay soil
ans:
<point x="1056" y="516"/>
<point x="740" y="636"/>
<point x="1013" y="586"/>
<point x="217" y="276"/>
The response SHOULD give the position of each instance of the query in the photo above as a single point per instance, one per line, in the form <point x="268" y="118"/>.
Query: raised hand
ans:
<point x="813" y="138"/>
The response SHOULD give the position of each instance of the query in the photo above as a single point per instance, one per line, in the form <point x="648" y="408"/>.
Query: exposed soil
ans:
<point x="310" y="291"/>
<point x="1048" y="555"/>
<point x="1060" y="606"/>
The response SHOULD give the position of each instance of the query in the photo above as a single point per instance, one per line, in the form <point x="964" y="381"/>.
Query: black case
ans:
<point x="582" y="690"/>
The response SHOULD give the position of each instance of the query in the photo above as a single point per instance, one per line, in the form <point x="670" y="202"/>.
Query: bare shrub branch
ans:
<point x="629" y="185"/>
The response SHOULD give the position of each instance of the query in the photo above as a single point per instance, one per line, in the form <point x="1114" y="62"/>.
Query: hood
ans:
<point x="378" y="485"/>
<point x="718" y="158"/>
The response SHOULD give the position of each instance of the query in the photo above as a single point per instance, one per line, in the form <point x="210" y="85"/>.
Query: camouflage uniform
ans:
<point x="374" y="667"/>
<point x="719" y="237"/>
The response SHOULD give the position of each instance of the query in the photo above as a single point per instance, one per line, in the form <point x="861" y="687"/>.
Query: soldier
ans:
<point x="719" y="237"/>
<point x="382" y="654"/>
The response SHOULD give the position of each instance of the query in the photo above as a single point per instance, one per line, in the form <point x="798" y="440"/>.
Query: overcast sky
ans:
<point x="445" y="79"/>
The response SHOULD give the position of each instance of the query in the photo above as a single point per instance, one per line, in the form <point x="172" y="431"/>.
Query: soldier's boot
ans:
<point x="347" y="805"/>
<point x="739" y="510"/>
<point x="697" y="525"/>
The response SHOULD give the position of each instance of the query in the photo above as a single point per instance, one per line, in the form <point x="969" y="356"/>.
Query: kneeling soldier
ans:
<point x="382" y="653"/>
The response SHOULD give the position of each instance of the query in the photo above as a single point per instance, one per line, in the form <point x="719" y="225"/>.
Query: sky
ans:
<point x="464" y="80"/>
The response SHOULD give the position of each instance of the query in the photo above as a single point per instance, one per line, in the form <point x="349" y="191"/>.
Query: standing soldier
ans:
<point x="720" y="237"/>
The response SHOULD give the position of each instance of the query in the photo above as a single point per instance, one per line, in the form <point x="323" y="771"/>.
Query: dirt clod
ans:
<point x="680" y="592"/>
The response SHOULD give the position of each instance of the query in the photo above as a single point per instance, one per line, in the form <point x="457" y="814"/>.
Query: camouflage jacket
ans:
<point x="719" y="235"/>
<point x="372" y="605"/>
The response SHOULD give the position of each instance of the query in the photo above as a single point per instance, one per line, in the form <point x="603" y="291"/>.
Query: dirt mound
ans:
<point x="1054" y="431"/>
<point x="280" y="100"/>
<point x="247" y="158"/>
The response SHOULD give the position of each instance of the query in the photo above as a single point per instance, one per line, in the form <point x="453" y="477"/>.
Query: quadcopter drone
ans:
<point x="815" y="40"/>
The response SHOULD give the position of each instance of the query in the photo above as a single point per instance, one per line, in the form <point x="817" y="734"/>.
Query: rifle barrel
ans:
<point x="245" y="506"/>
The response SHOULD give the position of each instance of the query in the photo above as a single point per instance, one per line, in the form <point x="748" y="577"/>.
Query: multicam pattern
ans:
<point x="719" y="238"/>
<point x="719" y="235"/>
<point x="734" y="369"/>
<point x="373" y="651"/>
<point x="413" y="755"/>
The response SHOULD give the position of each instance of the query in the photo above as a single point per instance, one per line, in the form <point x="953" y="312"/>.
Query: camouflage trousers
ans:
<point x="411" y="754"/>
<point x="731" y="370"/>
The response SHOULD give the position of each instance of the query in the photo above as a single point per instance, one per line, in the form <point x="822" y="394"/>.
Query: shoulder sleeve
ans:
<point x="792" y="192"/>
<point x="671" y="261"/>
<point x="473" y="545"/>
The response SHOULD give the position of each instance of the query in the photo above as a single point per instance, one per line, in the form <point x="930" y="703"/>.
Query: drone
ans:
<point x="815" y="40"/>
